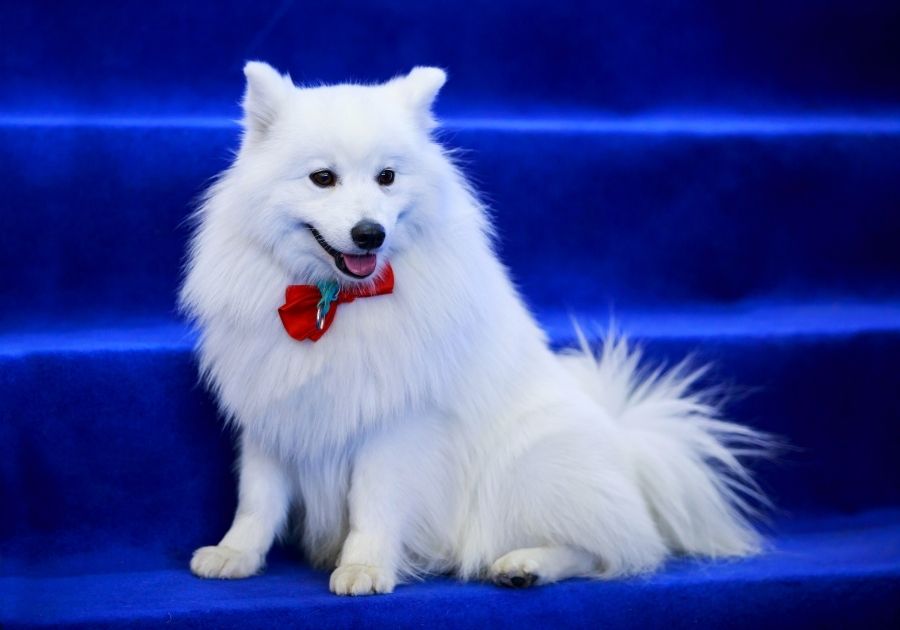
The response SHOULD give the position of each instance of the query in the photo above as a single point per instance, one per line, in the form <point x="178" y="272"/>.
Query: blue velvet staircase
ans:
<point x="720" y="177"/>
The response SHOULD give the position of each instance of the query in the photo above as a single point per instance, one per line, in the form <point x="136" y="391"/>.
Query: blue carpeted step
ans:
<point x="832" y="572"/>
<point x="591" y="212"/>
<point x="505" y="55"/>
<point x="106" y="438"/>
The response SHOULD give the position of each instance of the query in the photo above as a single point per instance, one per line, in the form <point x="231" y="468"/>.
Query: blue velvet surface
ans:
<point x="827" y="572"/>
<point x="522" y="55"/>
<point x="718" y="177"/>
<point x="124" y="447"/>
<point x="620" y="216"/>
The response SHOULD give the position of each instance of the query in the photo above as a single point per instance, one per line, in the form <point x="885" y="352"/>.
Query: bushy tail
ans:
<point x="687" y="460"/>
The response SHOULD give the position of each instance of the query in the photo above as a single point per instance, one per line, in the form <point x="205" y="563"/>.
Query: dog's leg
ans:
<point x="393" y="482"/>
<point x="368" y="560"/>
<point x="263" y="499"/>
<point x="541" y="565"/>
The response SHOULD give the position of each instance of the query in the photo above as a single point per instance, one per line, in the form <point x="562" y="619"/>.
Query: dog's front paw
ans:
<point x="361" y="579"/>
<point x="224" y="562"/>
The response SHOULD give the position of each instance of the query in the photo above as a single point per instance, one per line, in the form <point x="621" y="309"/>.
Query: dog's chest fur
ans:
<point x="377" y="363"/>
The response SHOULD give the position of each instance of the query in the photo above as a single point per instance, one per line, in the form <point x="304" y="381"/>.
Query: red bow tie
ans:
<point x="307" y="313"/>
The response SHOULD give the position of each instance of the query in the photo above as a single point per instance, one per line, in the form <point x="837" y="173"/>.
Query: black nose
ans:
<point x="367" y="234"/>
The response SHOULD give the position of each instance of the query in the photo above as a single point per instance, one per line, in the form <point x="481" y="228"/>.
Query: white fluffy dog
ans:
<point x="428" y="428"/>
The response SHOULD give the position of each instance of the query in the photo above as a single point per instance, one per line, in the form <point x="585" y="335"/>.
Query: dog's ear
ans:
<point x="264" y="96"/>
<point x="419" y="89"/>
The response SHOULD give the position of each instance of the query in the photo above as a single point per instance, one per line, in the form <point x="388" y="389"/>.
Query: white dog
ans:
<point x="425" y="426"/>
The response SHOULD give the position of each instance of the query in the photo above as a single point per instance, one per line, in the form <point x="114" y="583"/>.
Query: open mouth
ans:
<point x="353" y="265"/>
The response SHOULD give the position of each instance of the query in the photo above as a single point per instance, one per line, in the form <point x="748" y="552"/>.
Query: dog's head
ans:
<point x="331" y="178"/>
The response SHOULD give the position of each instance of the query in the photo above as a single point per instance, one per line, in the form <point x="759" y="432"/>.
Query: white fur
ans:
<point x="432" y="429"/>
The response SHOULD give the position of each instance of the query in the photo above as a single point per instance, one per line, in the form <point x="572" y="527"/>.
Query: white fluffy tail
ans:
<point x="685" y="457"/>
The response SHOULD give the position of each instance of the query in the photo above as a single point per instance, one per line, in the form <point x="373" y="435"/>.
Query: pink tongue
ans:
<point x="361" y="265"/>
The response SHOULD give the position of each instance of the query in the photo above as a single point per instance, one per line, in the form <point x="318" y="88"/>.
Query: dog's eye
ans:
<point x="386" y="177"/>
<point x="323" y="178"/>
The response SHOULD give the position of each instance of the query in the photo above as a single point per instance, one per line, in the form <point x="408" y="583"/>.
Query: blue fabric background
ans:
<point x="719" y="176"/>
<point x="504" y="56"/>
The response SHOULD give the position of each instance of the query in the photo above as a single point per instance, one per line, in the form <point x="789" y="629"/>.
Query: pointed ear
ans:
<point x="419" y="89"/>
<point x="265" y="93"/>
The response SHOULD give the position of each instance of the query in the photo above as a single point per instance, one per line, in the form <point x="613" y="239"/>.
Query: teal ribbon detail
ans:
<point x="329" y="291"/>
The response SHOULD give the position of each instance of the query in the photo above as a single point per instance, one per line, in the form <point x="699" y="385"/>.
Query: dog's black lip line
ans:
<point x="335" y="254"/>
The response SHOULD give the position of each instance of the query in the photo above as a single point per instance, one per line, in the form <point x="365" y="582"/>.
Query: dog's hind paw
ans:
<point x="224" y="562"/>
<point x="360" y="579"/>
<point x="515" y="570"/>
